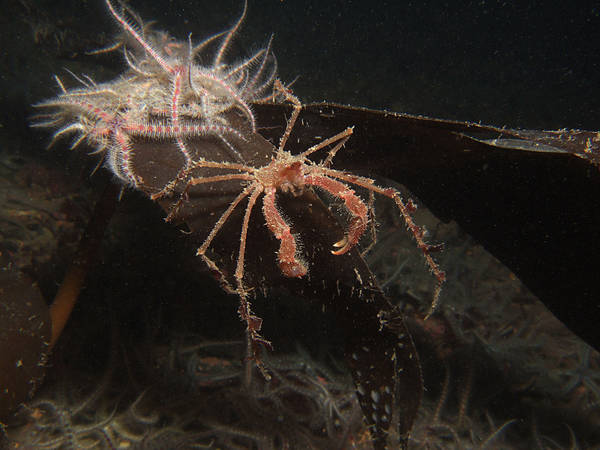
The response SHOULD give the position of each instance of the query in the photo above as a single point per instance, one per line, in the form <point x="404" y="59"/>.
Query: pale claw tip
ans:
<point x="341" y="243"/>
<point x="342" y="247"/>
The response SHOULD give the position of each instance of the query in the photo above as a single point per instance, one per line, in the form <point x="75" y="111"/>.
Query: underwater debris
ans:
<point x="24" y="339"/>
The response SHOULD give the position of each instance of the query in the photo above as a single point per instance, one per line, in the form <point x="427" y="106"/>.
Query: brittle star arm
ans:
<point x="119" y="158"/>
<point x="229" y="36"/>
<point x="239" y="101"/>
<point x="131" y="29"/>
<point x="168" y="188"/>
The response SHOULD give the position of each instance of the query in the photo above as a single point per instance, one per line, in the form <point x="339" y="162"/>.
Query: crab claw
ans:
<point x="355" y="231"/>
<point x="341" y="246"/>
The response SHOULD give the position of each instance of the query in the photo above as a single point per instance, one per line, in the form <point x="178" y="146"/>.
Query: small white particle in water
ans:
<point x="387" y="408"/>
<point x="355" y="356"/>
<point x="384" y="418"/>
<point x="375" y="417"/>
<point x="366" y="349"/>
<point x="387" y="390"/>
<point x="360" y="390"/>
<point x="375" y="396"/>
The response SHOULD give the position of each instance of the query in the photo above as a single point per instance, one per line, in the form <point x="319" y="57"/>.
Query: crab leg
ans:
<point x="289" y="262"/>
<point x="353" y="204"/>
<point x="342" y="137"/>
<point x="202" y="249"/>
<point x="239" y="270"/>
<point x="253" y="322"/>
<point x="405" y="209"/>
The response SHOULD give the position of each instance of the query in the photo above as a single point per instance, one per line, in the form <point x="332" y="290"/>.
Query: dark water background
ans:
<point x="522" y="64"/>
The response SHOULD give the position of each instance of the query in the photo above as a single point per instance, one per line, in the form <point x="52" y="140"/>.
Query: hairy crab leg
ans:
<point x="239" y="269"/>
<point x="354" y="205"/>
<point x="331" y="153"/>
<point x="405" y="209"/>
<point x="224" y="165"/>
<point x="253" y="322"/>
<point x="295" y="112"/>
<point x="216" y="178"/>
<point x="195" y="181"/>
<point x="219" y="224"/>
<point x="342" y="136"/>
<point x="289" y="262"/>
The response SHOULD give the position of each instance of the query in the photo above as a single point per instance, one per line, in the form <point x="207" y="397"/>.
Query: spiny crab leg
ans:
<point x="353" y="204"/>
<point x="219" y="224"/>
<point x="212" y="179"/>
<point x="342" y="137"/>
<point x="239" y="269"/>
<point x="253" y="322"/>
<point x="224" y="165"/>
<point x="289" y="262"/>
<point x="405" y="209"/>
<point x="279" y="87"/>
